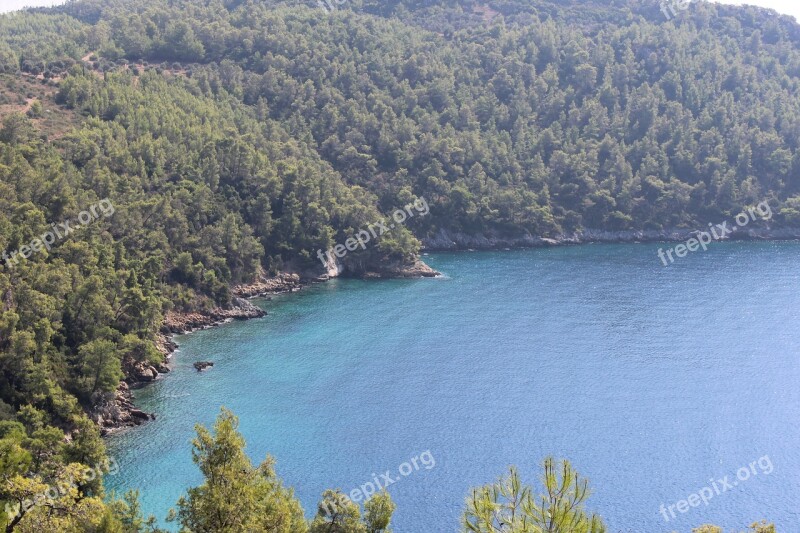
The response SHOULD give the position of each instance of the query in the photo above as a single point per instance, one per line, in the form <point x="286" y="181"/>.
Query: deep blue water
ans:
<point x="651" y="380"/>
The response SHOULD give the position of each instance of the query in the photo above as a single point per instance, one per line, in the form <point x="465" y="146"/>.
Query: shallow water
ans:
<point x="653" y="381"/>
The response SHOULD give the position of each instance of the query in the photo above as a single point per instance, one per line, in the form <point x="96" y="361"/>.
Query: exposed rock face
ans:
<point x="203" y="365"/>
<point x="142" y="373"/>
<point x="332" y="269"/>
<point x="186" y="322"/>
<point x="136" y="414"/>
<point x="283" y="282"/>
<point x="115" y="410"/>
<point x="166" y="346"/>
<point x="449" y="240"/>
<point x="355" y="269"/>
<point x="418" y="269"/>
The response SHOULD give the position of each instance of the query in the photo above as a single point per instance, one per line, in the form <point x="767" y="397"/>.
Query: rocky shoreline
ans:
<point x="445" y="240"/>
<point x="393" y="271"/>
<point x="116" y="411"/>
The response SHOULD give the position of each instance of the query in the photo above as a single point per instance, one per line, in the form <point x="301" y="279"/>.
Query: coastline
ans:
<point x="117" y="411"/>
<point x="449" y="241"/>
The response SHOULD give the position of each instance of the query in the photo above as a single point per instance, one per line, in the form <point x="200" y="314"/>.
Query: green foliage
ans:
<point x="707" y="529"/>
<point x="238" y="497"/>
<point x="521" y="124"/>
<point x="508" y="506"/>
<point x="235" y="496"/>
<point x="44" y="482"/>
<point x="337" y="514"/>
<point x="757" y="527"/>
<point x="378" y="512"/>
<point x="128" y="513"/>
<point x="99" y="367"/>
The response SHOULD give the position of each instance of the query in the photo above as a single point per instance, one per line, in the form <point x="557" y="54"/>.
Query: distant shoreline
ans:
<point x="446" y="241"/>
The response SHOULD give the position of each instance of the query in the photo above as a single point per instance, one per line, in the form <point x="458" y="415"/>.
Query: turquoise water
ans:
<point x="651" y="380"/>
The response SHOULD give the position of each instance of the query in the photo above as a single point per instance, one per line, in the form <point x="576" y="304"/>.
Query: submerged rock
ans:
<point x="203" y="365"/>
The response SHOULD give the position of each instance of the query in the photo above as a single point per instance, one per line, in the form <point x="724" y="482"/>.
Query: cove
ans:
<point x="654" y="381"/>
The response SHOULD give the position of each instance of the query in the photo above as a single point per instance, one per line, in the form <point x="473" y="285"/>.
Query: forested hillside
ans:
<point x="236" y="138"/>
<point x="546" y="120"/>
